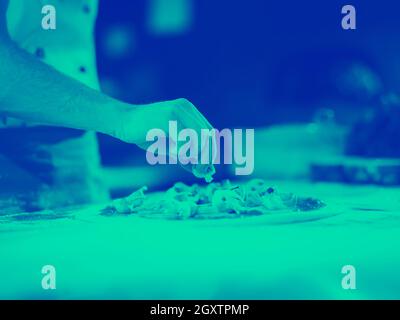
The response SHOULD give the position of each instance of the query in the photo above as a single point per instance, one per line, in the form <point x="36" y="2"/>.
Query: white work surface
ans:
<point x="135" y="258"/>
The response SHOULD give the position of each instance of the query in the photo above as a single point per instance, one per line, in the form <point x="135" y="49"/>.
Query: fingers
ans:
<point x="186" y="108"/>
<point x="191" y="117"/>
<point x="187" y="116"/>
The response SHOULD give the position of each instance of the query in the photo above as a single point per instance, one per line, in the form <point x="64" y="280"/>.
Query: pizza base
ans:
<point x="218" y="200"/>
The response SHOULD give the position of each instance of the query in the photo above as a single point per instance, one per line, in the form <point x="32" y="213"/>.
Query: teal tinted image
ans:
<point x="198" y="149"/>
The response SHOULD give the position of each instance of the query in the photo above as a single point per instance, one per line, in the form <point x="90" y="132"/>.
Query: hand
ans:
<point x="138" y="120"/>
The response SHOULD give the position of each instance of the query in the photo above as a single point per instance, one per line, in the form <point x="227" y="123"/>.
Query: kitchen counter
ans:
<point x="128" y="257"/>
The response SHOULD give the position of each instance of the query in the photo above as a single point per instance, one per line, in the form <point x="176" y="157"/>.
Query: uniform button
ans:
<point x="86" y="8"/>
<point x="82" y="69"/>
<point x="39" y="53"/>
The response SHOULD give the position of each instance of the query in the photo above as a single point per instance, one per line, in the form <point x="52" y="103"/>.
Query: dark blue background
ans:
<point x="255" y="63"/>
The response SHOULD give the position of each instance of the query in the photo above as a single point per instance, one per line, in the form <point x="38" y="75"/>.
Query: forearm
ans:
<point x="33" y="91"/>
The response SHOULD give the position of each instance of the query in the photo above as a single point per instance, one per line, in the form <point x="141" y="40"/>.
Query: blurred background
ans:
<point x="325" y="106"/>
<point x="313" y="91"/>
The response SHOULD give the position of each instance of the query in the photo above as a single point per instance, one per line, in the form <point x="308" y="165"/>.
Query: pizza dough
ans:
<point x="215" y="201"/>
